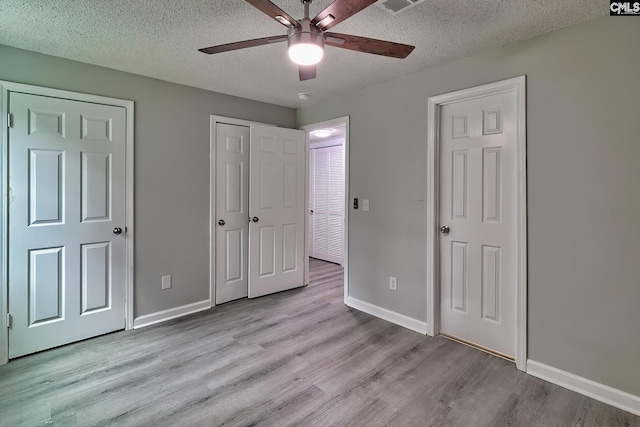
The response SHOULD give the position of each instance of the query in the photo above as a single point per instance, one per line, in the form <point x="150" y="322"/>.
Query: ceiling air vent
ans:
<point x="394" y="7"/>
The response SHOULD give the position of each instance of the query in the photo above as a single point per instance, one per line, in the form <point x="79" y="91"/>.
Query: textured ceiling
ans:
<point x="161" y="38"/>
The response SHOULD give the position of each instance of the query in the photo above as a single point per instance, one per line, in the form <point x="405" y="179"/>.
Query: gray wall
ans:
<point x="583" y="99"/>
<point x="171" y="166"/>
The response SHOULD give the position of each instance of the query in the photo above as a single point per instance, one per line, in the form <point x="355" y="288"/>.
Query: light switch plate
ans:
<point x="365" y="205"/>
<point x="166" y="282"/>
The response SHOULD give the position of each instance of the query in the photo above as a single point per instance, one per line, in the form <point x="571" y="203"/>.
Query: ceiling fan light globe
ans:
<point x="306" y="53"/>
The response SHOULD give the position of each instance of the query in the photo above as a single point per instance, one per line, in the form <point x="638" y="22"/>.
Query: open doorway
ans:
<point x="327" y="218"/>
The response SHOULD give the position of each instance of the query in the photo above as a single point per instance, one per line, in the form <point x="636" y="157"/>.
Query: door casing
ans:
<point x="5" y="89"/>
<point x="517" y="85"/>
<point x="345" y="240"/>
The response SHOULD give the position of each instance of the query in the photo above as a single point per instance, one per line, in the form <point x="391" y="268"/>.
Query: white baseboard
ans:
<point x="172" y="313"/>
<point x="391" y="316"/>
<point x="609" y="395"/>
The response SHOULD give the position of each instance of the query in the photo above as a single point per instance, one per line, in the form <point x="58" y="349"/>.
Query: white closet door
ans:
<point x="311" y="189"/>
<point x="328" y="204"/>
<point x="232" y="211"/>
<point x="277" y="207"/>
<point x="320" y="203"/>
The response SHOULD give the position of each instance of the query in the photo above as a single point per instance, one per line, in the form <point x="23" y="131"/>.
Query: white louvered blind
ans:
<point x="312" y="156"/>
<point x="327" y="196"/>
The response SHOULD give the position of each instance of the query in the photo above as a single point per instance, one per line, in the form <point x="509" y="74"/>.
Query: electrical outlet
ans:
<point x="166" y="282"/>
<point x="393" y="283"/>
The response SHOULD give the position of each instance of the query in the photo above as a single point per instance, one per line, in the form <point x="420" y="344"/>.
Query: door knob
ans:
<point x="221" y="222"/>
<point x="117" y="231"/>
<point x="255" y="219"/>
<point x="445" y="229"/>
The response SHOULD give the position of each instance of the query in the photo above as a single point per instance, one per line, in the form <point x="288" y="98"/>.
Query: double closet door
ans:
<point x="259" y="210"/>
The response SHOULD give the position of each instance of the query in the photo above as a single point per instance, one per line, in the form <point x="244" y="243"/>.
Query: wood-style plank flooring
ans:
<point x="299" y="358"/>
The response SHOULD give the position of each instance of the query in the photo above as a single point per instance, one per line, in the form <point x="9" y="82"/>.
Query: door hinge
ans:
<point x="8" y="320"/>
<point x="9" y="120"/>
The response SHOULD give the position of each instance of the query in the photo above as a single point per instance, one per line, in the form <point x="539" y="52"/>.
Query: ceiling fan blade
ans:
<point x="307" y="72"/>
<point x="339" y="10"/>
<point x="367" y="45"/>
<point x="243" y="44"/>
<point x="274" y="11"/>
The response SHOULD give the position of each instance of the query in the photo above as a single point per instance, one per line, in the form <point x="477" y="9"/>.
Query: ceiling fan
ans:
<point x="307" y="37"/>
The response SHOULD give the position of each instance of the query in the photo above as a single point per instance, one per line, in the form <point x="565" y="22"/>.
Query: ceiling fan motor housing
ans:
<point x="307" y="34"/>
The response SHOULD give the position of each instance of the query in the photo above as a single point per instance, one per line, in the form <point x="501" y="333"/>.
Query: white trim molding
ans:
<point x="609" y="395"/>
<point x="388" y="315"/>
<point x="517" y="85"/>
<point x="172" y="313"/>
<point x="345" y="241"/>
<point x="8" y="87"/>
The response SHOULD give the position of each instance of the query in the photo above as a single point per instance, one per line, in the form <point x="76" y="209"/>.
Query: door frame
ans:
<point x="213" y="122"/>
<point x="5" y="88"/>
<point x="435" y="103"/>
<point x="345" y="239"/>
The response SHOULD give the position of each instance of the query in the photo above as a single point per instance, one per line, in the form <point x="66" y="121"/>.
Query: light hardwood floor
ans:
<point x="299" y="357"/>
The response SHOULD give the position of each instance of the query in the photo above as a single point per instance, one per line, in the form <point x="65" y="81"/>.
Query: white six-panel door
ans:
<point x="478" y="203"/>
<point x="232" y="211"/>
<point x="67" y="196"/>
<point x="277" y="207"/>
